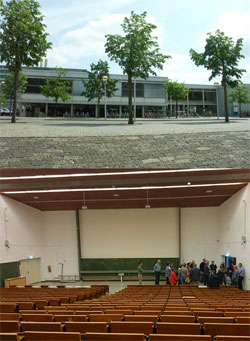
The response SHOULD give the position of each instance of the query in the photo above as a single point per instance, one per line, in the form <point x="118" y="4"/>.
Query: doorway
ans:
<point x="30" y="268"/>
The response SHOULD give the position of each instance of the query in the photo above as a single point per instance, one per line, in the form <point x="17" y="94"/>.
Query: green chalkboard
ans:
<point x="109" y="264"/>
<point x="8" y="270"/>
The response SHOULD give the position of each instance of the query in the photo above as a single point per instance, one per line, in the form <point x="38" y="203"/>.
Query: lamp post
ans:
<point x="217" y="99"/>
<point x="105" y="79"/>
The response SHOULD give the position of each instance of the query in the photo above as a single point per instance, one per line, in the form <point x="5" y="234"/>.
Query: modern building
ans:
<point x="151" y="100"/>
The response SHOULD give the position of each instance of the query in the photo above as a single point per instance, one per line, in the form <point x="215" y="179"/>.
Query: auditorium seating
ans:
<point x="158" y="312"/>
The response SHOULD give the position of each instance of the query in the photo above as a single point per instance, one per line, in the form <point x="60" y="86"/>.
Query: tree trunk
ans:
<point x="13" y="120"/>
<point x="98" y="108"/>
<point x="239" y="109"/>
<point x="130" y="112"/>
<point x="56" y="109"/>
<point x="176" y="108"/>
<point x="225" y="100"/>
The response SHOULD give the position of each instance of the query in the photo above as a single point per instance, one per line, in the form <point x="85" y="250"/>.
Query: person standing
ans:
<point x="183" y="273"/>
<point x="140" y="272"/>
<point x="202" y="265"/>
<point x="206" y="273"/>
<point x="173" y="279"/>
<point x="157" y="270"/>
<point x="241" y="276"/>
<point x="195" y="274"/>
<point x="167" y="272"/>
<point x="235" y="276"/>
<point x="213" y="266"/>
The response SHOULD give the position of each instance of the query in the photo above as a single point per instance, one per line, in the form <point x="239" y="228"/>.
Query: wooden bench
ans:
<point x="232" y="338"/>
<point x="51" y="336"/>
<point x="177" y="312"/>
<point x="146" y="312"/>
<point x="76" y="318"/>
<point x="9" y="326"/>
<point x="243" y="319"/>
<point x="9" y="316"/>
<point x="37" y="317"/>
<point x="178" y="328"/>
<point x="114" y="337"/>
<point x="236" y="329"/>
<point x="7" y="307"/>
<point x="237" y="314"/>
<point x="208" y="313"/>
<point x="105" y="317"/>
<point x="178" y="318"/>
<point x="119" y="311"/>
<point x="132" y="327"/>
<point x="25" y="305"/>
<point x="41" y="326"/>
<point x="176" y="337"/>
<point x="84" y="327"/>
<point x="204" y="319"/>
<point x="10" y="337"/>
<point x="145" y="318"/>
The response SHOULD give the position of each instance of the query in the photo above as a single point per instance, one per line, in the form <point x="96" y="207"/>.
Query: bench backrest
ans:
<point x="214" y="329"/>
<point x="9" y="316"/>
<point x="9" y="337"/>
<point x="131" y="327"/>
<point x="232" y="338"/>
<point x="84" y="327"/>
<point x="145" y="318"/>
<point x="178" y="318"/>
<point x="7" y="307"/>
<point x="76" y="318"/>
<point x="175" y="337"/>
<point x="48" y="336"/>
<point x="178" y="328"/>
<point x="37" y="317"/>
<point x="9" y="326"/>
<point x="105" y="317"/>
<point x="114" y="337"/>
<point x="203" y="319"/>
<point x="41" y="326"/>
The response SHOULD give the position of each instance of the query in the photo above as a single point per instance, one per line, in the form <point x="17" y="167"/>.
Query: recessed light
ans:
<point x="209" y="191"/>
<point x="189" y="183"/>
<point x="147" y="206"/>
<point x="116" y="195"/>
<point x="35" y="197"/>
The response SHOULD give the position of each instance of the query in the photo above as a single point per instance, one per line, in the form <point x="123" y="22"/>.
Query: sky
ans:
<point x="77" y="29"/>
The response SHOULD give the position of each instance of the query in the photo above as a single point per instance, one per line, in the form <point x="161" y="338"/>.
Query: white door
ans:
<point x="30" y="268"/>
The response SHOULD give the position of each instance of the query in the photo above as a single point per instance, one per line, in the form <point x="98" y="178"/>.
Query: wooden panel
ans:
<point x="46" y="336"/>
<point x="114" y="337"/>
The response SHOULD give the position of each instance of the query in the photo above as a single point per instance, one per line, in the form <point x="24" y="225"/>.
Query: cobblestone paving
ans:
<point x="193" y="150"/>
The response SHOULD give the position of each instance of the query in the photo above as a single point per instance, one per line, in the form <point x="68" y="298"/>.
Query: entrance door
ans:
<point x="30" y="268"/>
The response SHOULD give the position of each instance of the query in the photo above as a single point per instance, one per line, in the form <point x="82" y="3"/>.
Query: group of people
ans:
<point x="206" y="274"/>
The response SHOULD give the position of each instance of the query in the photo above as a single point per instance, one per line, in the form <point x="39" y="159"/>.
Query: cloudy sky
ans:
<point x="77" y="30"/>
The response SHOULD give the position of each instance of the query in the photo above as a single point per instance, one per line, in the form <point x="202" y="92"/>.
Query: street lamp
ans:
<point x="105" y="79"/>
<point x="217" y="99"/>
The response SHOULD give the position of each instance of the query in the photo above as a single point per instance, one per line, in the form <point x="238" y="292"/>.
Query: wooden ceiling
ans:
<point x="197" y="188"/>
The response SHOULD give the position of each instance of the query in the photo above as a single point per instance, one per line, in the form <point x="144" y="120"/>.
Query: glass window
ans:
<point x="139" y="89"/>
<point x="195" y="95"/>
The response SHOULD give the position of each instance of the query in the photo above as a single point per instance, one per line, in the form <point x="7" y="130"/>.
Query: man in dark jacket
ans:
<point x="213" y="281"/>
<point x="202" y="265"/>
<point x="195" y="274"/>
<point x="206" y="273"/>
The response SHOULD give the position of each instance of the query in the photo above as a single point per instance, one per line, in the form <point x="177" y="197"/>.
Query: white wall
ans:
<point x="21" y="225"/>
<point x="131" y="233"/>
<point x="199" y="234"/>
<point x="234" y="222"/>
<point x="60" y="243"/>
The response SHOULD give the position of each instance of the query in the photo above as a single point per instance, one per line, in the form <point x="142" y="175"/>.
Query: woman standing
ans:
<point x="173" y="278"/>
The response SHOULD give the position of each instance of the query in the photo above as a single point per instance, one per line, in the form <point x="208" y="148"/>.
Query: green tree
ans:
<point x="57" y="88"/>
<point x="176" y="91"/>
<point x="221" y="57"/>
<point x="94" y="87"/>
<point x="8" y="86"/>
<point x="137" y="52"/>
<point x="23" y="40"/>
<point x="241" y="95"/>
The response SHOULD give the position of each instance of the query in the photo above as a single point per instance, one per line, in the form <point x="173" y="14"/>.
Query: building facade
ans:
<point x="150" y="100"/>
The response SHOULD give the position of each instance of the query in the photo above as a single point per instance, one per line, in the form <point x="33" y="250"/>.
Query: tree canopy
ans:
<point x="176" y="91"/>
<point x="241" y="95"/>
<point x="136" y="52"/>
<point x="23" y="40"/>
<point x="94" y="87"/>
<point x="57" y="88"/>
<point x="221" y="57"/>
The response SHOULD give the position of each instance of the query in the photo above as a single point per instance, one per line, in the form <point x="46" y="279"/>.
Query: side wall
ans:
<point x="234" y="222"/>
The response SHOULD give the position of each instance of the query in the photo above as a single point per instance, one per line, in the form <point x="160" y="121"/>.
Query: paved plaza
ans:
<point x="95" y="143"/>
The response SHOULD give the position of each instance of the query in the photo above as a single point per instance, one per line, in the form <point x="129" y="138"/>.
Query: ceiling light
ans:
<point x="102" y="189"/>
<point x="35" y="197"/>
<point x="116" y="195"/>
<point x="147" y="206"/>
<point x="84" y="207"/>
<point x="162" y="171"/>
<point x="209" y="191"/>
<point x="189" y="184"/>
